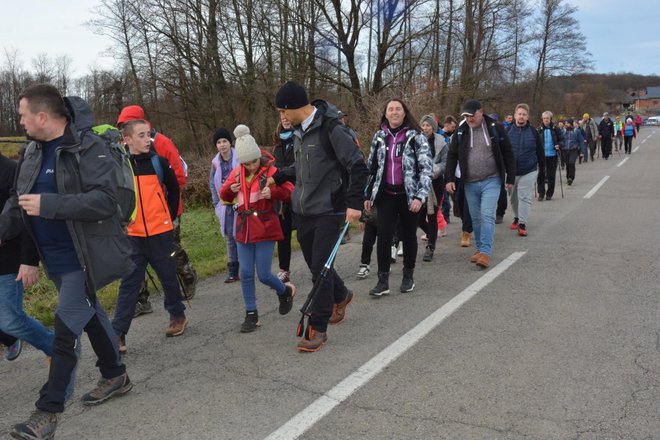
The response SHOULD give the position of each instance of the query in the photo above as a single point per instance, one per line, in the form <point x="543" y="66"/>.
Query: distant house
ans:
<point x="647" y="99"/>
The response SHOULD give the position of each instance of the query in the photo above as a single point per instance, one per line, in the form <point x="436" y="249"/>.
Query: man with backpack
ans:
<point x="165" y="147"/>
<point x="330" y="176"/>
<point x="66" y="199"/>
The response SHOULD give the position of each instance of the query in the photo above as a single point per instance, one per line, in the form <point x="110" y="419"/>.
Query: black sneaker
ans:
<point x="106" y="389"/>
<point x="286" y="299"/>
<point x="407" y="283"/>
<point x="251" y="322"/>
<point x="383" y="286"/>
<point x="40" y="425"/>
<point x="428" y="254"/>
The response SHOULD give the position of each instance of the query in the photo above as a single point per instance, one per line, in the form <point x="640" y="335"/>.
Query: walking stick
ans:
<point x="306" y="308"/>
<point x="561" y="184"/>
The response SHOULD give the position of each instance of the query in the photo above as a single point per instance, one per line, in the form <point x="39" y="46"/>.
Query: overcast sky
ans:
<point x="622" y="35"/>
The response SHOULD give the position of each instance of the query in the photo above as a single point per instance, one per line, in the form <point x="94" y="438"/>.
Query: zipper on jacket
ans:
<point x="144" y="220"/>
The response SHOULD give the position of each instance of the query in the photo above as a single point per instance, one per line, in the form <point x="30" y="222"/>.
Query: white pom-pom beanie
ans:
<point x="246" y="148"/>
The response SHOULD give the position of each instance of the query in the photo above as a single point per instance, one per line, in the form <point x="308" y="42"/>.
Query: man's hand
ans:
<point x="235" y="187"/>
<point x="416" y="205"/>
<point x="265" y="193"/>
<point x="450" y="187"/>
<point x="352" y="215"/>
<point x="270" y="181"/>
<point x="29" y="275"/>
<point x="31" y="203"/>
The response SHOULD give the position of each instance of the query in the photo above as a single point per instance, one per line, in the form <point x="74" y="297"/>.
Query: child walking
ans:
<point x="257" y="223"/>
<point x="221" y="166"/>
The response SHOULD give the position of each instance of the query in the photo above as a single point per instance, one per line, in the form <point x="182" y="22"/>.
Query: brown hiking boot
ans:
<point x="177" y="326"/>
<point x="483" y="261"/>
<point x="475" y="257"/>
<point x="106" y="389"/>
<point x="465" y="239"/>
<point x="40" y="425"/>
<point x="314" y="343"/>
<point x="339" y="310"/>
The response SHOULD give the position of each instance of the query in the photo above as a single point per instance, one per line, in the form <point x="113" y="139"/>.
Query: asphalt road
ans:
<point x="562" y="344"/>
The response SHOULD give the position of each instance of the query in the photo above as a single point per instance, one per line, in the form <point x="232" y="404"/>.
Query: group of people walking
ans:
<point x="61" y="208"/>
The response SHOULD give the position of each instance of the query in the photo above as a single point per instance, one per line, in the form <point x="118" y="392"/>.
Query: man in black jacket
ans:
<point x="65" y="196"/>
<point x="605" y="133"/>
<point x="18" y="269"/>
<point x="482" y="148"/>
<point x="330" y="176"/>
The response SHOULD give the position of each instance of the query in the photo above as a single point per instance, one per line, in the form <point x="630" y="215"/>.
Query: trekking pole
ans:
<point x="151" y="278"/>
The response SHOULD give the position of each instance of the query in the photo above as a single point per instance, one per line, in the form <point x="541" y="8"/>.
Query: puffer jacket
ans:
<point x="329" y="170"/>
<point x="417" y="165"/>
<point x="86" y="200"/>
<point x="527" y="148"/>
<point x="256" y="217"/>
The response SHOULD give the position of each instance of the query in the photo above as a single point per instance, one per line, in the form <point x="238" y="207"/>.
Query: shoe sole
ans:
<point x="21" y="436"/>
<point x="179" y="333"/>
<point x="361" y="277"/>
<point x="480" y="264"/>
<point x="256" y="326"/>
<point x="311" y="350"/>
<point x="379" y="294"/>
<point x="345" y="307"/>
<point x="406" y="291"/>
<point x="120" y="392"/>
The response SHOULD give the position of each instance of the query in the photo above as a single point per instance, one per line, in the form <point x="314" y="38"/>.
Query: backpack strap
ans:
<point x="158" y="168"/>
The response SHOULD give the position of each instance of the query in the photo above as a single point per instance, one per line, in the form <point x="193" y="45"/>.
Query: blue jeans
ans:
<point x="482" y="199"/>
<point x="14" y="321"/>
<point x="258" y="254"/>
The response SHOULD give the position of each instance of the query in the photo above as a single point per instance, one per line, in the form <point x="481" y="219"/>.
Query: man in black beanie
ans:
<point x="330" y="176"/>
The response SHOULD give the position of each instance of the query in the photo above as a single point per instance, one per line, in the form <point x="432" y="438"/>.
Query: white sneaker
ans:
<point x="393" y="254"/>
<point x="400" y="251"/>
<point x="364" y="271"/>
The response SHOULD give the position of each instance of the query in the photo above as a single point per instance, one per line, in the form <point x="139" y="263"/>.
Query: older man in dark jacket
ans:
<point x="66" y="198"/>
<point x="482" y="148"/>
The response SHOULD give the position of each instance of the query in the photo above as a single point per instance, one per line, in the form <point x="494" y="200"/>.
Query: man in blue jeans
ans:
<point x="482" y="148"/>
<point x="18" y="268"/>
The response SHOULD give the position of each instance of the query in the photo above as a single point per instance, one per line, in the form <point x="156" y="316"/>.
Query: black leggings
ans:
<point x="368" y="241"/>
<point x="429" y="224"/>
<point x="389" y="207"/>
<point x="284" y="246"/>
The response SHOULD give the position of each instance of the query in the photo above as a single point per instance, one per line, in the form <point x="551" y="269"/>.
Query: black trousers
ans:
<point x="570" y="156"/>
<point x="6" y="339"/>
<point x="389" y="207"/>
<point x="627" y="141"/>
<point x="546" y="178"/>
<point x="429" y="224"/>
<point x="502" y="202"/>
<point x="463" y="207"/>
<point x="284" y="246"/>
<point x="317" y="236"/>
<point x="368" y="241"/>
<point x="606" y="146"/>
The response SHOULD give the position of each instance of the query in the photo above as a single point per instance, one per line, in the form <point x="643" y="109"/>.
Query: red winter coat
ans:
<point x="257" y="219"/>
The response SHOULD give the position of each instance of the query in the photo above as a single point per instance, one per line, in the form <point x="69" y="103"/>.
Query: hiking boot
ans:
<point x="382" y="287"/>
<point x="339" y="310"/>
<point x="106" y="389"/>
<point x="393" y="254"/>
<point x="522" y="230"/>
<point x="142" y="308"/>
<point x="121" y="344"/>
<point x="407" y="283"/>
<point x="251" y="322"/>
<point x="314" y="343"/>
<point x="483" y="261"/>
<point x="465" y="239"/>
<point x="14" y="350"/>
<point x="428" y="254"/>
<point x="548" y="198"/>
<point x="514" y="225"/>
<point x="363" y="272"/>
<point x="540" y="199"/>
<point x="569" y="182"/>
<point x="177" y="326"/>
<point x="283" y="275"/>
<point x="499" y="219"/>
<point x="475" y="257"/>
<point x="40" y="425"/>
<point x="286" y="299"/>
<point x="188" y="277"/>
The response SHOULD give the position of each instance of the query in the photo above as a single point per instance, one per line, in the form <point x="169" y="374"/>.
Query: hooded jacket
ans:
<point x="256" y="217"/>
<point x="417" y="165"/>
<point x="459" y="149"/>
<point x="329" y="170"/>
<point x="86" y="201"/>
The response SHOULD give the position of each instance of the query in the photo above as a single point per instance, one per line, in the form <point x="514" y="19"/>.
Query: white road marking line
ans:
<point x="308" y="417"/>
<point x="622" y="162"/>
<point x="635" y="149"/>
<point x="596" y="188"/>
<point x="644" y="140"/>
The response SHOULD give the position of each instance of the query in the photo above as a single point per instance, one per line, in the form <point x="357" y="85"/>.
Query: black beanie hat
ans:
<point x="291" y="96"/>
<point x="221" y="133"/>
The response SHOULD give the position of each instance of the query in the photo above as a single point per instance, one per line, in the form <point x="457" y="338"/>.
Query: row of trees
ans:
<point x="199" y="64"/>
